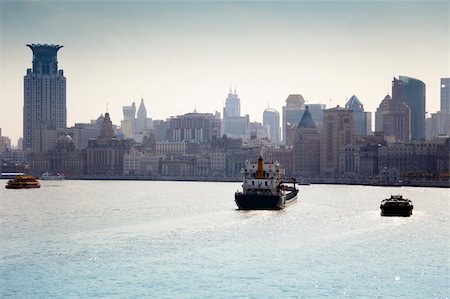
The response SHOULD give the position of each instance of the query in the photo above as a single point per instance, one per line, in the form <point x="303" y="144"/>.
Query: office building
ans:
<point x="44" y="95"/>
<point x="445" y="95"/>
<point x="413" y="93"/>
<point x="306" y="148"/>
<point x="291" y="114"/>
<point x="338" y="131"/>
<point x="360" y="120"/>
<point x="271" y="120"/>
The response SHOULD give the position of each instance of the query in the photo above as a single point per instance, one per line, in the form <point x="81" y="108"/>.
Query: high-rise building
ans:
<point x="316" y="111"/>
<point x="359" y="116"/>
<point x="234" y="125"/>
<point x="128" y="124"/>
<point x="413" y="92"/>
<point x="445" y="95"/>
<point x="393" y="116"/>
<point x="232" y="105"/>
<point x="195" y="127"/>
<point x="306" y="147"/>
<point x="291" y="114"/>
<point x="142" y="122"/>
<point x="271" y="119"/>
<point x="337" y="131"/>
<point x="44" y="94"/>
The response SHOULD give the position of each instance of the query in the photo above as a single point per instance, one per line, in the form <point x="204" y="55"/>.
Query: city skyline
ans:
<point x="182" y="56"/>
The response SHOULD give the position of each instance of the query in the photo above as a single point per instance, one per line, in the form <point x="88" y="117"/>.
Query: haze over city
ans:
<point x="181" y="56"/>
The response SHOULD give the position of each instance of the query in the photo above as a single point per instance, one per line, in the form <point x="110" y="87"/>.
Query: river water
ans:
<point x="134" y="239"/>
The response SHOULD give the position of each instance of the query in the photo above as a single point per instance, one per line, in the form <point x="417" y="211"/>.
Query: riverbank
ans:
<point x="327" y="181"/>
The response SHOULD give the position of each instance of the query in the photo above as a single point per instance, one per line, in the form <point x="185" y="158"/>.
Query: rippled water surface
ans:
<point x="187" y="240"/>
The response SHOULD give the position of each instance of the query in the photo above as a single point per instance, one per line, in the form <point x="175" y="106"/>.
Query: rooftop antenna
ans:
<point x="106" y="106"/>
<point x="230" y="91"/>
<point x="268" y="104"/>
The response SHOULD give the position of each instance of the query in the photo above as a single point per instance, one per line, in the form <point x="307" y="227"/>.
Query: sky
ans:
<point x="181" y="56"/>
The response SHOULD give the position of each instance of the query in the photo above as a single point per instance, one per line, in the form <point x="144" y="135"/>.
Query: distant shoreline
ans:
<point x="314" y="181"/>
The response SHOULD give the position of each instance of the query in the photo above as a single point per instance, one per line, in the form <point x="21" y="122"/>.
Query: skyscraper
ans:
<point x="393" y="115"/>
<point x="337" y="131"/>
<point x="359" y="116"/>
<point x="142" y="121"/>
<point x="413" y="92"/>
<point x="232" y="105"/>
<point x="128" y="124"/>
<point x="292" y="113"/>
<point x="234" y="125"/>
<point x="306" y="147"/>
<point x="44" y="94"/>
<point x="445" y="95"/>
<point x="271" y="119"/>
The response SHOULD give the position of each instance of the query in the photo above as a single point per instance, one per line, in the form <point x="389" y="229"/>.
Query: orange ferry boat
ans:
<point x="22" y="182"/>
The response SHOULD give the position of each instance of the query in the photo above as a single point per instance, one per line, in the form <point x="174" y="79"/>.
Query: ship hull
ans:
<point x="264" y="202"/>
<point x="402" y="211"/>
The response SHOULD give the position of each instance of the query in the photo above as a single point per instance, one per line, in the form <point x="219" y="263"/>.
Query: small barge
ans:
<point x="396" y="205"/>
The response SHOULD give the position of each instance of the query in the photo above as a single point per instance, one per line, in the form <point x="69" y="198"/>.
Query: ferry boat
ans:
<point x="396" y="206"/>
<point x="263" y="188"/>
<point x="47" y="176"/>
<point x="22" y="182"/>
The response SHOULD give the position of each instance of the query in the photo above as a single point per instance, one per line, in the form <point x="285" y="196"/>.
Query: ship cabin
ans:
<point x="261" y="176"/>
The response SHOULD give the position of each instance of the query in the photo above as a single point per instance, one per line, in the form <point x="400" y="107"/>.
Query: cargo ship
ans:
<point x="263" y="188"/>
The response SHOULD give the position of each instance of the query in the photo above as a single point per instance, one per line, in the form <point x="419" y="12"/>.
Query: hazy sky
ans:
<point x="184" y="55"/>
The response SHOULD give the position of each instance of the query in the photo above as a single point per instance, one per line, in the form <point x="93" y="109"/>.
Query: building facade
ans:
<point x="104" y="155"/>
<point x="44" y="94"/>
<point x="360" y="120"/>
<point x="194" y="127"/>
<point x="306" y="148"/>
<point x="445" y="95"/>
<point x="337" y="131"/>
<point x="291" y="114"/>
<point x="413" y="93"/>
<point x="271" y="120"/>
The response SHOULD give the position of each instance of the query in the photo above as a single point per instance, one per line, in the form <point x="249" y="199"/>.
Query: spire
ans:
<point x="306" y="121"/>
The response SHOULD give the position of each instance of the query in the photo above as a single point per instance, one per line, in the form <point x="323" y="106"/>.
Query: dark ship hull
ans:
<point x="396" y="206"/>
<point x="396" y="210"/>
<point x="263" y="201"/>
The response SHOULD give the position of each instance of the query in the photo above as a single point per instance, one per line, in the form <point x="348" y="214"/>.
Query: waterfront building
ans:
<point x="306" y="147"/>
<point x="417" y="158"/>
<point x="337" y="131"/>
<point x="140" y="163"/>
<point x="104" y="155"/>
<point x="360" y="120"/>
<point x="271" y="120"/>
<point x="413" y="93"/>
<point x="194" y="127"/>
<point x="44" y="95"/>
<point x="179" y="166"/>
<point x="291" y="114"/>
<point x="64" y="158"/>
